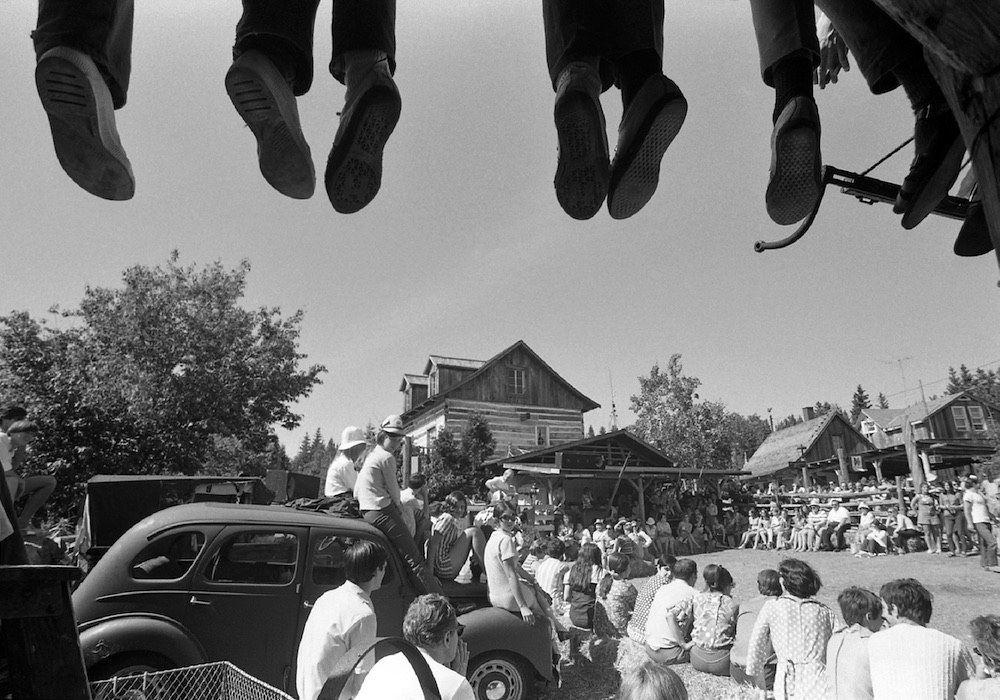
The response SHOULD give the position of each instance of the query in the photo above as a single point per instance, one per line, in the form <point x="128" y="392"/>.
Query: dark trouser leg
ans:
<point x="102" y="29"/>
<point x="841" y="540"/>
<point x="390" y="522"/>
<point x="283" y="31"/>
<point x="12" y="550"/>
<point x="363" y="24"/>
<point x="987" y="545"/>
<point x="879" y="44"/>
<point x="576" y="29"/>
<point x="784" y="28"/>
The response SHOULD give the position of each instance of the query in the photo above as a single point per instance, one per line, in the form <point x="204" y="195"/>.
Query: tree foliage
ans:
<point x="315" y="455"/>
<point x="458" y="465"/>
<point x="670" y="414"/>
<point x="166" y="374"/>
<point x="882" y="401"/>
<point x="859" y="402"/>
<point x="983" y="384"/>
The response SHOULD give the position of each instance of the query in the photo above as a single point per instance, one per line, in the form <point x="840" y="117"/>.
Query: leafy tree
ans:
<point x="787" y="422"/>
<point x="883" y="402"/>
<point x="154" y="377"/>
<point x="859" y="402"/>
<point x="458" y="466"/>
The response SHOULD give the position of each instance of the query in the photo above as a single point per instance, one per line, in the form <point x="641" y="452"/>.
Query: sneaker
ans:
<point x="583" y="168"/>
<point x="82" y="121"/>
<point x="649" y="125"/>
<point x="354" y="168"/>
<point x="796" y="179"/>
<point x="937" y="161"/>
<point x="264" y="100"/>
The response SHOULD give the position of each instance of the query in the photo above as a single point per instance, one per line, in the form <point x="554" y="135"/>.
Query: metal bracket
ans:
<point x="868" y="190"/>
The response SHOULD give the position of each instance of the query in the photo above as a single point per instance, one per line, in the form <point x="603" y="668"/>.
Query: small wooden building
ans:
<point x="526" y="402"/>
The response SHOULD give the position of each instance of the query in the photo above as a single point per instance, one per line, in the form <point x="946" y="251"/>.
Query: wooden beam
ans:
<point x="962" y="43"/>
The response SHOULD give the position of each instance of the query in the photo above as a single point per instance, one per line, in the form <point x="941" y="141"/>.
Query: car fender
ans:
<point x="103" y="639"/>
<point x="495" y="629"/>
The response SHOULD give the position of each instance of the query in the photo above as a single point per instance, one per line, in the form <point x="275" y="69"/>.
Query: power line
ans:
<point x="938" y="381"/>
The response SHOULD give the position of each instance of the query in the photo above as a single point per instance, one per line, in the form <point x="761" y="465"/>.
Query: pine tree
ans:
<point x="882" y="401"/>
<point x="590" y="431"/>
<point x="859" y="402"/>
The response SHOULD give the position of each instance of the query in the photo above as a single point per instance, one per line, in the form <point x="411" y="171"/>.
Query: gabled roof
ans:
<point x="920" y="412"/>
<point x="457" y="362"/>
<point x="782" y="446"/>
<point x="881" y="416"/>
<point x="418" y="379"/>
<point x="589" y="404"/>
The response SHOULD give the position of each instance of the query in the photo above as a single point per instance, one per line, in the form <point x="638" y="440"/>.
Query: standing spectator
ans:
<point x="450" y="546"/>
<point x="926" y="507"/>
<point x="979" y="519"/>
<point x="617" y="595"/>
<point x="910" y="660"/>
<point x="432" y="626"/>
<point x="377" y="492"/>
<point x="651" y="681"/>
<point x="601" y="537"/>
<point x="644" y="599"/>
<point x="341" y="620"/>
<point x="580" y="586"/>
<point x="769" y="588"/>
<point x="343" y="471"/>
<point x="986" y="635"/>
<point x="847" y="670"/>
<point x="668" y="627"/>
<point x="798" y="628"/>
<point x="714" y="626"/>
<point x="953" y="514"/>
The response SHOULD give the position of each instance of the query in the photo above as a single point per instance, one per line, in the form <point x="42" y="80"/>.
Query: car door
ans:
<point x="245" y="599"/>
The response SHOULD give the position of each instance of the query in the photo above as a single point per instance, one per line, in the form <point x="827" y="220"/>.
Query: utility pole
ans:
<point x="899" y="362"/>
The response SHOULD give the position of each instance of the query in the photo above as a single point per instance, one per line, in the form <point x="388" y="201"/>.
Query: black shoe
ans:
<point x="265" y="101"/>
<point x="939" y="148"/>
<point x="649" y="125"/>
<point x="583" y="168"/>
<point x="974" y="236"/>
<point x="796" y="179"/>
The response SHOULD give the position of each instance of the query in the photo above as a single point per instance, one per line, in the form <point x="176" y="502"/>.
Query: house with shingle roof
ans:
<point x="527" y="403"/>
<point x="818" y="449"/>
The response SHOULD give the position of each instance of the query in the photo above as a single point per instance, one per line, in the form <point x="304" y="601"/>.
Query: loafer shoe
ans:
<point x="974" y="236"/>
<point x="795" y="180"/>
<point x="648" y="127"/>
<point x="354" y="168"/>
<point x="937" y="161"/>
<point x="82" y="121"/>
<point x="265" y="102"/>
<point x="583" y="168"/>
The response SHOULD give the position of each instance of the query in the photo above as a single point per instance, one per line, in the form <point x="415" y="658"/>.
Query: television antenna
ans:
<point x="614" y="410"/>
<point x="899" y="363"/>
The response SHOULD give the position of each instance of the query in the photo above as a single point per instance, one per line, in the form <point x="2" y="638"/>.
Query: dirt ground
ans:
<point x="961" y="589"/>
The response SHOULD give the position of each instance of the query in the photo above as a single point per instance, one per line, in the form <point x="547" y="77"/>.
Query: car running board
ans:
<point x="866" y="189"/>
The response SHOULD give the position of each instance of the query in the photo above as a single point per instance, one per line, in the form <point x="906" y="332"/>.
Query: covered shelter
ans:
<point x="602" y="464"/>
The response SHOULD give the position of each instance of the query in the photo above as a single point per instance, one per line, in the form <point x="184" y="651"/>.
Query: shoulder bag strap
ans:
<point x="344" y="669"/>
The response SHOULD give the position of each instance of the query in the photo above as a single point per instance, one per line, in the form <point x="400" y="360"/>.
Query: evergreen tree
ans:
<point x="458" y="466"/>
<point x="859" y="402"/>
<point x="590" y="431"/>
<point x="882" y="401"/>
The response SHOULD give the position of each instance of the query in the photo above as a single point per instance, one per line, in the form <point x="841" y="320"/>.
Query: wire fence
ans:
<point x="215" y="681"/>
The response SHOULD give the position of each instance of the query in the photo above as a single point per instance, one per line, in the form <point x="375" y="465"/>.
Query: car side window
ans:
<point x="328" y="561"/>
<point x="259" y="557"/>
<point x="169" y="556"/>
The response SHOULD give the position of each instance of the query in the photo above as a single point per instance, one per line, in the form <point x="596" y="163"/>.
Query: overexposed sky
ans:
<point x="466" y="250"/>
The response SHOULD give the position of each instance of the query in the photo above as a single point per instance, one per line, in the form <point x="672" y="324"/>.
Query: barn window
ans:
<point x="542" y="435"/>
<point x="961" y="421"/>
<point x="978" y="418"/>
<point x="515" y="381"/>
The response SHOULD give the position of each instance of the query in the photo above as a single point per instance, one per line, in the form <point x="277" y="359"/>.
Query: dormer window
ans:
<point x="867" y="427"/>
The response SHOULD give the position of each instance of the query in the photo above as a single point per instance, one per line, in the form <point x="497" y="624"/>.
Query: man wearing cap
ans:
<point x="979" y="519"/>
<point x="343" y="473"/>
<point x="378" y="497"/>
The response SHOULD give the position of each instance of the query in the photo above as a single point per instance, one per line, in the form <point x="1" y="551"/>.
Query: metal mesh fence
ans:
<point x="216" y="681"/>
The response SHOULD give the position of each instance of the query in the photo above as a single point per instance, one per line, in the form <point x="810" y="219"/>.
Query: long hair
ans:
<point x="582" y="569"/>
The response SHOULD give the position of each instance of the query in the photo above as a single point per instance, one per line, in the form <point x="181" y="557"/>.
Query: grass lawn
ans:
<point x="961" y="589"/>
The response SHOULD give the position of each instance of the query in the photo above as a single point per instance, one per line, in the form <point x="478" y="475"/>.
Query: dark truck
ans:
<point x="208" y="581"/>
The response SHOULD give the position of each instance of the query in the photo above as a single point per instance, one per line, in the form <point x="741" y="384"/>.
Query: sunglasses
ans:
<point x="508" y="518"/>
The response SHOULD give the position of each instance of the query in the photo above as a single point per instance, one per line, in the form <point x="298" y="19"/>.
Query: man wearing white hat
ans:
<point x="378" y="495"/>
<point x="343" y="473"/>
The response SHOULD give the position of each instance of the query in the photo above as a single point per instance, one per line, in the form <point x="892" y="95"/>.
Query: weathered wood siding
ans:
<point x="825" y="446"/>
<point x="542" y="387"/>
<point x="509" y="430"/>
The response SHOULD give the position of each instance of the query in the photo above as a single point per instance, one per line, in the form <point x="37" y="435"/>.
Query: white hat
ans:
<point x="393" y="425"/>
<point x="814" y="501"/>
<point x="650" y="521"/>
<point x="352" y="436"/>
<point x="865" y="505"/>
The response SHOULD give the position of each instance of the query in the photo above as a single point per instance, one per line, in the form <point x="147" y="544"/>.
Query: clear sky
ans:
<point x="466" y="250"/>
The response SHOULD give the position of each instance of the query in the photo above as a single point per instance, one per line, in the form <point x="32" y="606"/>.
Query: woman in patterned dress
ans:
<point x="798" y="627"/>
<point x="450" y="545"/>
<point x="715" y="614"/>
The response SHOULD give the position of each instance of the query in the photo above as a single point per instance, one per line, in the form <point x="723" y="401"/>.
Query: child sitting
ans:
<point x="847" y="670"/>
<point x="551" y="570"/>
<point x="617" y="596"/>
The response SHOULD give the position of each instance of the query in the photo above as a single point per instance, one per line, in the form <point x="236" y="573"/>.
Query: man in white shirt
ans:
<point x="910" y="660"/>
<point x="979" y="519"/>
<point x="668" y="627"/>
<point x="413" y="506"/>
<point x="837" y="522"/>
<point x="432" y="626"/>
<point x="341" y="620"/>
<point x="343" y="472"/>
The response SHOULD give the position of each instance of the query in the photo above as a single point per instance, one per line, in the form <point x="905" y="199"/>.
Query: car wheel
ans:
<point x="499" y="676"/>
<point x="128" y="665"/>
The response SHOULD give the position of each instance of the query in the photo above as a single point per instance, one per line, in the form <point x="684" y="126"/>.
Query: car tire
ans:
<point x="501" y="676"/>
<point x="128" y="664"/>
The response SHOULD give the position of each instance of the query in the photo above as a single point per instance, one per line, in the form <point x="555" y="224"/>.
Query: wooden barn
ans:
<point x="527" y="403"/>
<point x="817" y="449"/>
